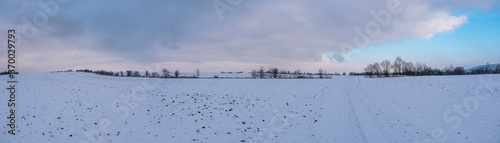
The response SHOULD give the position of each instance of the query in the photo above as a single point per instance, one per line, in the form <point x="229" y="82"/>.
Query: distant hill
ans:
<point x="492" y="67"/>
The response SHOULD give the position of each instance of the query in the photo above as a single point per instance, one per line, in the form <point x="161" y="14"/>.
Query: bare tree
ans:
<point x="449" y="70"/>
<point x="427" y="70"/>
<point x="129" y="73"/>
<point x="498" y="69"/>
<point x="177" y="73"/>
<point x="412" y="69"/>
<point x="261" y="72"/>
<point x="408" y="68"/>
<point x="376" y="69"/>
<point x="320" y="73"/>
<point x="283" y="73"/>
<point x="369" y="70"/>
<point x="136" y="74"/>
<point x="274" y="72"/>
<point x="147" y="73"/>
<point x="420" y="68"/>
<point x="155" y="74"/>
<point x="254" y="74"/>
<point x="297" y="73"/>
<point x="386" y="67"/>
<point x="459" y="71"/>
<point x="487" y="68"/>
<point x="166" y="73"/>
<point x="121" y="73"/>
<point x="397" y="66"/>
<point x="198" y="73"/>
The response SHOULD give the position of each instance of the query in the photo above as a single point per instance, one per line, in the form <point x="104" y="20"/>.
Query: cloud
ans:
<point x="434" y="22"/>
<point x="254" y="32"/>
<point x="463" y="5"/>
<point x="337" y="57"/>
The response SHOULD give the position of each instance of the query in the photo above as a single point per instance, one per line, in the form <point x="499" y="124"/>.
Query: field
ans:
<point x="84" y="107"/>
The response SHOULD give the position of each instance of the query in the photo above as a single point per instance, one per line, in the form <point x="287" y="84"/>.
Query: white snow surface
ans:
<point x="85" y="107"/>
<point x="491" y="67"/>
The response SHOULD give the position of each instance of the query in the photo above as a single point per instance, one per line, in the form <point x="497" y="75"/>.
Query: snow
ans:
<point x="205" y="75"/>
<point x="84" y="107"/>
<point x="227" y="75"/>
<point x="491" y="67"/>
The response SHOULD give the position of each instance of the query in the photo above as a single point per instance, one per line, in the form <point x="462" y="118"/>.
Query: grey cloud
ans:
<point x="190" y="31"/>
<point x="464" y="5"/>
<point x="65" y="27"/>
<point x="337" y="57"/>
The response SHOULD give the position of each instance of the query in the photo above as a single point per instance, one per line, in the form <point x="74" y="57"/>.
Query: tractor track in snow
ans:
<point x="352" y="109"/>
<point x="340" y="115"/>
<point x="386" y="121"/>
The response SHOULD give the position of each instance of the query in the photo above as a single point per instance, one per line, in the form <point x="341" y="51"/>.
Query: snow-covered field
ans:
<point x="84" y="107"/>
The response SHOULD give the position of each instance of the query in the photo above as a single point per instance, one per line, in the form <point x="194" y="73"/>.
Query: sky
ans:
<point x="241" y="35"/>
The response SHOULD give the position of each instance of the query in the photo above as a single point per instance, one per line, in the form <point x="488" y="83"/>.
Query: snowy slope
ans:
<point x="491" y="66"/>
<point x="84" y="107"/>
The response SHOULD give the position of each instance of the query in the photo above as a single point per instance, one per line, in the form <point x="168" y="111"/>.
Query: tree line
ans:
<point x="270" y="73"/>
<point x="401" y="67"/>
<point x="275" y="73"/>
<point x="129" y="73"/>
<point x="486" y="70"/>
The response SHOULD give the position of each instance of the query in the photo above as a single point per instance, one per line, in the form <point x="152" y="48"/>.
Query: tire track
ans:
<point x="390" y="123"/>
<point x="357" y="119"/>
<point x="338" y="119"/>
<point x="367" y="127"/>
